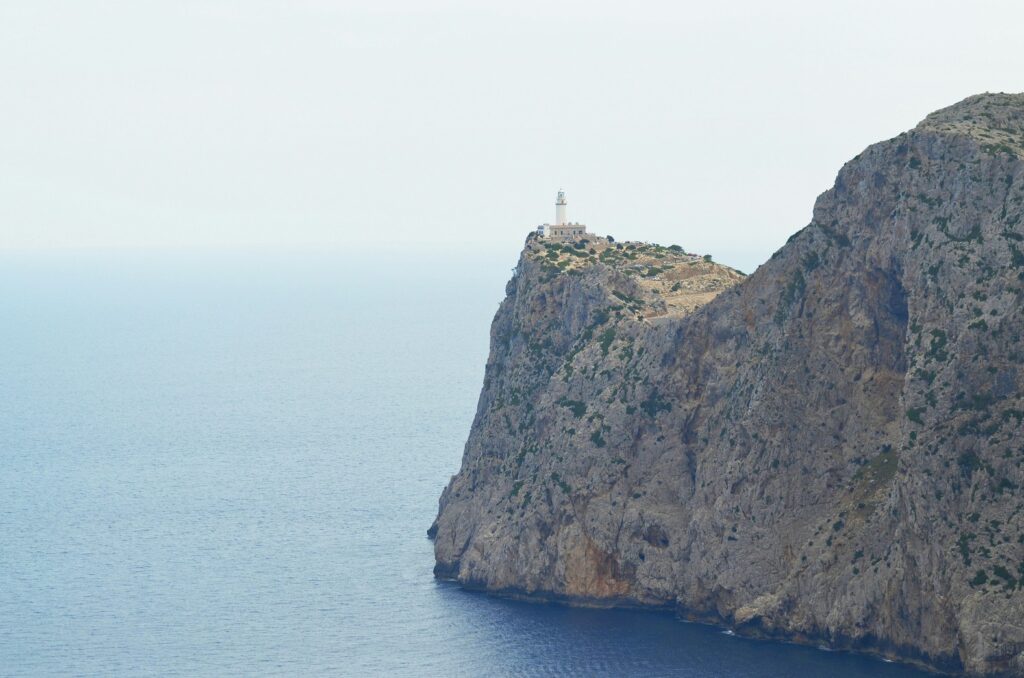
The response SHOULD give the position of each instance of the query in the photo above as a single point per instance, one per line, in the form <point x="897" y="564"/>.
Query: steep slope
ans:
<point x="830" y="450"/>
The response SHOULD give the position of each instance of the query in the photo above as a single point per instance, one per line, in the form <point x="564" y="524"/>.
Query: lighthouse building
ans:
<point x="562" y="230"/>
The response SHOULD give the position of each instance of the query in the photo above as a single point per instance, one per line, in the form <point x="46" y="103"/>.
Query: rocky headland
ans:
<point x="829" y="450"/>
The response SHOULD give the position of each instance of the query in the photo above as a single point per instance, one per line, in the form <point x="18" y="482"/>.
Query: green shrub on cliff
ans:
<point x="578" y="407"/>
<point x="655" y="404"/>
<point x="561" y="483"/>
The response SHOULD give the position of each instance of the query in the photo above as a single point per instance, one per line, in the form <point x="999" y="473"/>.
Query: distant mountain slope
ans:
<point x="829" y="451"/>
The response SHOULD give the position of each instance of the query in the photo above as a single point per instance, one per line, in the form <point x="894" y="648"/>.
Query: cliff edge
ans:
<point x="829" y="450"/>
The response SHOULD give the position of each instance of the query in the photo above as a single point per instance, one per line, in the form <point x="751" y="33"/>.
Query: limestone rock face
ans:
<point x="828" y="450"/>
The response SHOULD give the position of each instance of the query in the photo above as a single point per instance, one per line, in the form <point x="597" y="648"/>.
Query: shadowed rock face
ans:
<point x="830" y="450"/>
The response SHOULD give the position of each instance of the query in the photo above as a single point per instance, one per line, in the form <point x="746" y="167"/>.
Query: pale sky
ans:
<point x="345" y="124"/>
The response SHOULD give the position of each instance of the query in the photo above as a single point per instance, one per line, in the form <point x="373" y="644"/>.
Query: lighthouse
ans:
<point x="562" y="230"/>
<point x="560" y="209"/>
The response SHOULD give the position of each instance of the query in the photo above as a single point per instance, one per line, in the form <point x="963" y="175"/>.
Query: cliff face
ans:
<point x="829" y="450"/>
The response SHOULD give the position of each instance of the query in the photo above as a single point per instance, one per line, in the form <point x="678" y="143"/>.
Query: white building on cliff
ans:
<point x="562" y="230"/>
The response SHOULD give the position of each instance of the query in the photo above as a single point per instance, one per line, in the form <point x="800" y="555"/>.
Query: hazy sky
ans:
<point x="345" y="124"/>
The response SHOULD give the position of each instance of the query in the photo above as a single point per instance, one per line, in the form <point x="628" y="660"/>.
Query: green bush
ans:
<point x="561" y="483"/>
<point x="605" y="339"/>
<point x="969" y="462"/>
<point x="578" y="407"/>
<point x="655" y="404"/>
<point x="937" y="348"/>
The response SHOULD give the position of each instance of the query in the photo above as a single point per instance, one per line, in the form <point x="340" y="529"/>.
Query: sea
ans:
<point x="224" y="463"/>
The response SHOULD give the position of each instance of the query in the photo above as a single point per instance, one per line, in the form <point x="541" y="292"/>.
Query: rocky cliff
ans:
<point x="828" y="450"/>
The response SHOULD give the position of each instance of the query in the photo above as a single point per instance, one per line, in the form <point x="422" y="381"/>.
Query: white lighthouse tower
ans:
<point x="560" y="209"/>
<point x="562" y="230"/>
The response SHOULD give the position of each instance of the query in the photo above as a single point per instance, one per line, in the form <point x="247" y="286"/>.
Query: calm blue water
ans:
<point x="225" y="465"/>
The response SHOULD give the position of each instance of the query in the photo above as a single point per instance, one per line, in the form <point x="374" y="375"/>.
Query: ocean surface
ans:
<point x="225" y="464"/>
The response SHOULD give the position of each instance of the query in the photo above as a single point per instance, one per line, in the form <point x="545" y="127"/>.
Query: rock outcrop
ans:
<point x="829" y="450"/>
